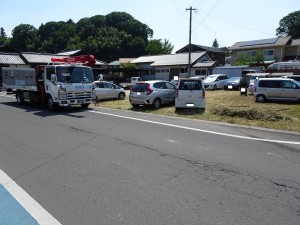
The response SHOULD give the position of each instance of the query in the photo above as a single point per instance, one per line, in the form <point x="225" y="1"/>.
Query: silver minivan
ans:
<point x="155" y="93"/>
<point x="282" y="89"/>
<point x="190" y="93"/>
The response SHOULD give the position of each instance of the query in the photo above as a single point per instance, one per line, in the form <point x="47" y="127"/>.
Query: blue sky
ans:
<point x="228" y="21"/>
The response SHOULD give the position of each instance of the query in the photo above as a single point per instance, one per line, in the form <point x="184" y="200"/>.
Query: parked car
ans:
<point x="108" y="90"/>
<point x="233" y="83"/>
<point x="174" y="81"/>
<point x="295" y="77"/>
<point x="215" y="81"/>
<point x="283" y="89"/>
<point x="253" y="78"/>
<point x="155" y="93"/>
<point x="190" y="93"/>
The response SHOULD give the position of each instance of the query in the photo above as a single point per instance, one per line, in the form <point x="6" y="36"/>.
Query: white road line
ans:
<point x="200" y="130"/>
<point x="32" y="207"/>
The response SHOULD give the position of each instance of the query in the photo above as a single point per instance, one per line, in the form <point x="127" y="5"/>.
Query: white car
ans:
<point x="190" y="93"/>
<point x="215" y="81"/>
<point x="108" y="90"/>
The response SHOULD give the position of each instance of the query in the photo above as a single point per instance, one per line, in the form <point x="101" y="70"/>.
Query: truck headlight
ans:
<point x="62" y="93"/>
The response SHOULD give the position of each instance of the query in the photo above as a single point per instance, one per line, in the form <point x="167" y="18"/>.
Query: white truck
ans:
<point x="64" y="82"/>
<point x="129" y="82"/>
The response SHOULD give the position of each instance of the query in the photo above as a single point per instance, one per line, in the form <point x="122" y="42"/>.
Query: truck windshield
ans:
<point x="74" y="74"/>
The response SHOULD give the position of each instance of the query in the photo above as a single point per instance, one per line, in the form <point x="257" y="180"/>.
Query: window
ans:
<point x="183" y="70"/>
<point x="290" y="51"/>
<point x="50" y="70"/>
<point x="160" y="85"/>
<point x="200" y="72"/>
<point x="287" y="84"/>
<point x="157" y="71"/>
<point x="170" y="86"/>
<point x="269" y="83"/>
<point x="190" y="85"/>
<point x="269" y="52"/>
<point x="251" y="53"/>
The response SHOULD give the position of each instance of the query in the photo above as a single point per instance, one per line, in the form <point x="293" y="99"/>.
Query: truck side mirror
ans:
<point x="53" y="78"/>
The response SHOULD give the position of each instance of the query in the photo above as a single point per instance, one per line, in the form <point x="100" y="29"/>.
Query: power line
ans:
<point x="232" y="23"/>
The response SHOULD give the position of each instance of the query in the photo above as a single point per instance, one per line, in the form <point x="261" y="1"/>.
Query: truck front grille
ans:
<point x="77" y="95"/>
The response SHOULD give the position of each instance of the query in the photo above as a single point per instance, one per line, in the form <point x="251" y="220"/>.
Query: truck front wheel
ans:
<point x="51" y="104"/>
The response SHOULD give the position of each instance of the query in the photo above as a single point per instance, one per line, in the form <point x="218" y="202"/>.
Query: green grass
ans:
<point x="229" y="107"/>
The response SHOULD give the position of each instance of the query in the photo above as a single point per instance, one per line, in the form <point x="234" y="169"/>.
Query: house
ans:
<point x="274" y="49"/>
<point x="215" y="53"/>
<point x="166" y="67"/>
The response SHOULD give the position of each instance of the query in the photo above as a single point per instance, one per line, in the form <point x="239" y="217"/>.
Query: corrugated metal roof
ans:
<point x="39" y="58"/>
<point x="146" y="59"/>
<point x="11" y="59"/>
<point x="281" y="41"/>
<point x="69" y="52"/>
<point x="204" y="64"/>
<point x="177" y="59"/>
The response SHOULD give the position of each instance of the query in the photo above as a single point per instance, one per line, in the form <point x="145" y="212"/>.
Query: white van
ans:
<point x="190" y="93"/>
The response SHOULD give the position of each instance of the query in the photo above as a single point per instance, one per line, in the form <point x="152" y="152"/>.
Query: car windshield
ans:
<point x="211" y="78"/>
<point x="74" y="74"/>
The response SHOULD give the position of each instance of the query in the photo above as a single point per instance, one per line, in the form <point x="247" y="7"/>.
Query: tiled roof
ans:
<point x="177" y="59"/>
<point x="11" y="59"/>
<point x="39" y="57"/>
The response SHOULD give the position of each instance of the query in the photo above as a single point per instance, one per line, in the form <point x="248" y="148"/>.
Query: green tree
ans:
<point x="25" y="37"/>
<point x="158" y="47"/>
<point x="246" y="59"/>
<point x="215" y="44"/>
<point x="290" y="25"/>
<point x="3" y="37"/>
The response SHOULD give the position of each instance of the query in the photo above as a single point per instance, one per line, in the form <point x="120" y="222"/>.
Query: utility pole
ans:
<point x="190" y="39"/>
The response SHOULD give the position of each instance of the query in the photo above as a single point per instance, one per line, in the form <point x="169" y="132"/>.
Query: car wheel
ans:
<point x="260" y="98"/>
<point x="51" y="105"/>
<point x="121" y="96"/>
<point x="156" y="103"/>
<point x="215" y="87"/>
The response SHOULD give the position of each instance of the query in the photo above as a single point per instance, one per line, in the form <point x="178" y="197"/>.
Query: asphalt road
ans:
<point x="101" y="166"/>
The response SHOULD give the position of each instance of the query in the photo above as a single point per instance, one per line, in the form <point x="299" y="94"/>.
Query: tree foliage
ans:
<point x="158" y="47"/>
<point x="246" y="59"/>
<point x="108" y="38"/>
<point x="25" y="37"/>
<point x="290" y="25"/>
<point x="3" y="37"/>
<point x="215" y="44"/>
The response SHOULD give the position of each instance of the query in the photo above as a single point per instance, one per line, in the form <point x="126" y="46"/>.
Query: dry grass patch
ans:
<point x="229" y="107"/>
